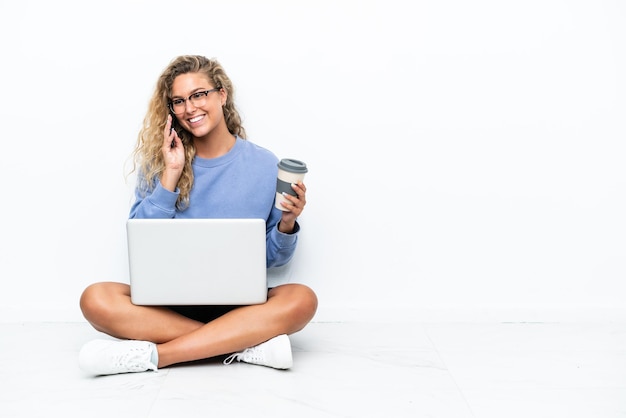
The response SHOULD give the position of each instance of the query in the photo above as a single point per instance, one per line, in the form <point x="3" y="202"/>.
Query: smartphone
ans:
<point x="173" y="127"/>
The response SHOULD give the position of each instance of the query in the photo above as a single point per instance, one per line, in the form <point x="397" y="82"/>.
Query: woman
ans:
<point x="194" y="161"/>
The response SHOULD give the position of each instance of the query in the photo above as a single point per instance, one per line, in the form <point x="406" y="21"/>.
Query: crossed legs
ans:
<point x="108" y="308"/>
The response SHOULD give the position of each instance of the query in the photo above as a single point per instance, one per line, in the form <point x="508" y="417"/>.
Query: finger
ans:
<point x="168" y="132"/>
<point x="168" y="126"/>
<point x="290" y="202"/>
<point x="295" y="204"/>
<point x="299" y="189"/>
<point x="287" y="207"/>
<point x="301" y="186"/>
<point x="176" y="139"/>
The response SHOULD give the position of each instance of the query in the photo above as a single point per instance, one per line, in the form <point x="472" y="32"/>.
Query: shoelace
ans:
<point x="246" y="355"/>
<point x="136" y="359"/>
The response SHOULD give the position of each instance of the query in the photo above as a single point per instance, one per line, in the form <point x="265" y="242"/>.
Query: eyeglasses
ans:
<point x="178" y="106"/>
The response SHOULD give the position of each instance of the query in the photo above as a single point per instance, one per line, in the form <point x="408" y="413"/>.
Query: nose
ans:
<point x="188" y="103"/>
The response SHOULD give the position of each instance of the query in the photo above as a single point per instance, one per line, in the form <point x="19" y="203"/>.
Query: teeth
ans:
<point x="196" y="119"/>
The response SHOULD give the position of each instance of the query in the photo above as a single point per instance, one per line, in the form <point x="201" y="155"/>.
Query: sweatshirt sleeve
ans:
<point x="158" y="203"/>
<point x="280" y="246"/>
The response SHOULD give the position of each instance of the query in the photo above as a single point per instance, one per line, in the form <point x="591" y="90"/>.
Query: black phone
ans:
<point x="173" y="127"/>
<point x="174" y="124"/>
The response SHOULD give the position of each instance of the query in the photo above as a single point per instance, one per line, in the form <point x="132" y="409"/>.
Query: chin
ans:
<point x="200" y="131"/>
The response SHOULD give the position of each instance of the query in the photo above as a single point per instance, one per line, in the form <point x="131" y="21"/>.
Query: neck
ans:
<point x="215" y="144"/>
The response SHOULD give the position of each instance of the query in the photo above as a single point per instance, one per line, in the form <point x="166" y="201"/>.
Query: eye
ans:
<point x="199" y="95"/>
<point x="178" y="102"/>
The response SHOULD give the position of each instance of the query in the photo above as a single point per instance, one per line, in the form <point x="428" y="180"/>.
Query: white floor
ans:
<point x="452" y="370"/>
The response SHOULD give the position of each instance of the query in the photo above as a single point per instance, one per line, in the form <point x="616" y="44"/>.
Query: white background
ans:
<point x="466" y="157"/>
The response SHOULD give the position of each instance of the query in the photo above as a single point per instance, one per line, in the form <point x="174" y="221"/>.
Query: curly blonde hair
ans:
<point x="147" y="154"/>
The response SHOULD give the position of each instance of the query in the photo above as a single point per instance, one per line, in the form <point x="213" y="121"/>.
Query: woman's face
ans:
<point x="195" y="111"/>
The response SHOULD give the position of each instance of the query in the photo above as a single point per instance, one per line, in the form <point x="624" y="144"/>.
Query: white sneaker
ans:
<point x="275" y="353"/>
<point x="112" y="357"/>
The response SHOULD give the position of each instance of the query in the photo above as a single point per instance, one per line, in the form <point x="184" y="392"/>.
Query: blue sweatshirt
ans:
<point x="239" y="184"/>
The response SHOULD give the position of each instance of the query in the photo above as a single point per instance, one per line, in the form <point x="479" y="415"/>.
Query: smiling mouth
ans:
<point x="196" y="119"/>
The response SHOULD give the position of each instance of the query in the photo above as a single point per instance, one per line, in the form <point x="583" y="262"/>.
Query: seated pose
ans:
<point x="193" y="161"/>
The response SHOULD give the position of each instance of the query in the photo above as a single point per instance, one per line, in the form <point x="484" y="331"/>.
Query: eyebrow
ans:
<point x="192" y="92"/>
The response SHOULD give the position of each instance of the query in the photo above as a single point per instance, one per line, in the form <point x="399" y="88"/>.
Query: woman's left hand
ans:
<point x="293" y="208"/>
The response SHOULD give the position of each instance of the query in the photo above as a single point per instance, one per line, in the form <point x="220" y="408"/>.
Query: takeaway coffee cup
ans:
<point x="290" y="171"/>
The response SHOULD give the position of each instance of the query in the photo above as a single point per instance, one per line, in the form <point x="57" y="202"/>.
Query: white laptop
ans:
<point x="197" y="261"/>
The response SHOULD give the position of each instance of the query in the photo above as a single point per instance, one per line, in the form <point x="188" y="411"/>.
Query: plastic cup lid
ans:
<point x="293" y="166"/>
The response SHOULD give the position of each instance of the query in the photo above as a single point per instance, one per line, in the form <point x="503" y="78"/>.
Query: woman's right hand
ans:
<point x="173" y="156"/>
